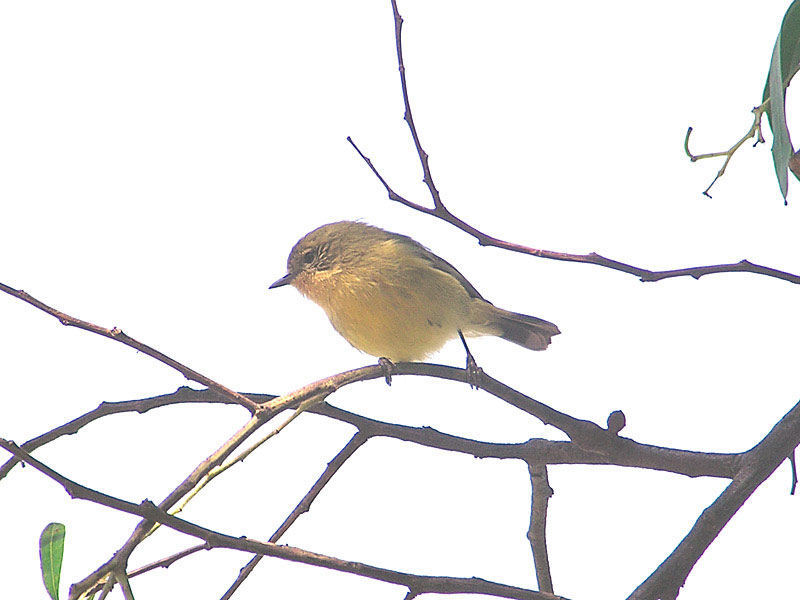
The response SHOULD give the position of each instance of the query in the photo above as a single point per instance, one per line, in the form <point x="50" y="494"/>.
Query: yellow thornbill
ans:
<point x="391" y="297"/>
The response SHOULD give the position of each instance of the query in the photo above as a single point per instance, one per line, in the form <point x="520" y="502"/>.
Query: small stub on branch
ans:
<point x="615" y="422"/>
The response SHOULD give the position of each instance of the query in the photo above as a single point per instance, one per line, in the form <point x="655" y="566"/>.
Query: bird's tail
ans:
<point x="530" y="332"/>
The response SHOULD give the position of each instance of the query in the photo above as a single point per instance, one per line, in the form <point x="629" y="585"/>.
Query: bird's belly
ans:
<point x="393" y="324"/>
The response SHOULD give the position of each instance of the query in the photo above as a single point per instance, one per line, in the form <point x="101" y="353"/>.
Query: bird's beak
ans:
<point x="285" y="280"/>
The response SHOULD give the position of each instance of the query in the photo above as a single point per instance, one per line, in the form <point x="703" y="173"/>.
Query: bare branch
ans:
<point x="534" y="451"/>
<point x="162" y="563"/>
<point x="628" y="453"/>
<point x="440" y="211"/>
<point x="150" y="512"/>
<point x="587" y="437"/>
<point x="754" y="132"/>
<point x="168" y="561"/>
<point x="117" y="335"/>
<point x="180" y="396"/>
<point x="592" y="258"/>
<point x="423" y="156"/>
<point x="540" y="496"/>
<point x="303" y="506"/>
<point x="540" y="451"/>
<point x="755" y="466"/>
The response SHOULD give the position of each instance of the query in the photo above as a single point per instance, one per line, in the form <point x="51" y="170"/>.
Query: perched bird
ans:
<point x="391" y="297"/>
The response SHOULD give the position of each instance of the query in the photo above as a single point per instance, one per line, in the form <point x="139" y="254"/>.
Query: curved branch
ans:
<point x="104" y="409"/>
<point x="440" y="211"/>
<point x="592" y="258"/>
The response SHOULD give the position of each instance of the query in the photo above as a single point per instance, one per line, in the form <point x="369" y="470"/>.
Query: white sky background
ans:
<point x="159" y="159"/>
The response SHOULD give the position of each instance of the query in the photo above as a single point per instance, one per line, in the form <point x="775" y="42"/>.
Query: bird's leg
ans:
<point x="474" y="372"/>
<point x="388" y="369"/>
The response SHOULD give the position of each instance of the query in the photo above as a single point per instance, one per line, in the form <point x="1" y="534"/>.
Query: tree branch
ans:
<point x="150" y="512"/>
<point x="303" y="506"/>
<point x="754" y="467"/>
<point x="592" y="258"/>
<point x="117" y="335"/>
<point x="590" y="443"/>
<point x="540" y="496"/>
<point x="538" y="451"/>
<point x="440" y="211"/>
<point x="104" y="409"/>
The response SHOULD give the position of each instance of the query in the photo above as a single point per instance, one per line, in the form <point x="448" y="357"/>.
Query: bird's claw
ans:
<point x="474" y="373"/>
<point x="388" y="369"/>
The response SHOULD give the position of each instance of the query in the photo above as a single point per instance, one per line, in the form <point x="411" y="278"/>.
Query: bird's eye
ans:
<point x="307" y="257"/>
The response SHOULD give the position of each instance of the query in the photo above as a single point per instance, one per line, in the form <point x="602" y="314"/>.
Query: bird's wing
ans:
<point x="441" y="264"/>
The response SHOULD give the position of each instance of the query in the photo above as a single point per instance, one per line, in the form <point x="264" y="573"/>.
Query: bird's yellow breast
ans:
<point x="399" y="312"/>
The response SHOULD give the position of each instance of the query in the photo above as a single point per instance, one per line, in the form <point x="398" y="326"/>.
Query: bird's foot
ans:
<point x="474" y="372"/>
<point x="388" y="369"/>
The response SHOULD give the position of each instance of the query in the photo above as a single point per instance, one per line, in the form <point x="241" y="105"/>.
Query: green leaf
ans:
<point x="781" y="144"/>
<point x="789" y="37"/>
<point x="785" y="58"/>
<point x="51" y="553"/>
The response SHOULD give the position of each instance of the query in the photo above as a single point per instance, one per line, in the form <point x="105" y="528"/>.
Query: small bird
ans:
<point x="391" y="297"/>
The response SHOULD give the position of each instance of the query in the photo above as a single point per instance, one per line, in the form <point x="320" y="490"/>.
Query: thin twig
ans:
<point x="162" y="563"/>
<point x="168" y="561"/>
<point x="117" y="335"/>
<point x="592" y="258"/>
<point x="754" y="132"/>
<point x="303" y="506"/>
<point x="540" y="496"/>
<point x="239" y="458"/>
<point x="104" y="409"/>
<point x="423" y="156"/>
<point x="333" y="467"/>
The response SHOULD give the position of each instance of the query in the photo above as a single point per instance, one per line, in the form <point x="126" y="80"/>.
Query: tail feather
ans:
<point x="529" y="332"/>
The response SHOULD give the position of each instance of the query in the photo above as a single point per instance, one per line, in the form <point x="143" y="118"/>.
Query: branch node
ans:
<point x="615" y="422"/>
